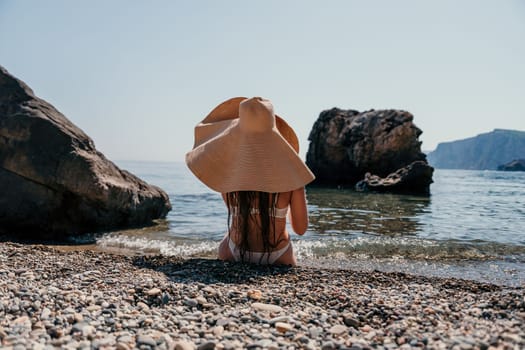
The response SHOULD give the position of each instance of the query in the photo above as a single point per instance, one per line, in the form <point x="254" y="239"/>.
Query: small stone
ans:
<point x="483" y="345"/>
<point x="55" y="332"/>
<point x="44" y="315"/>
<point x="146" y="340"/>
<point x="429" y="310"/>
<point x="218" y="330"/>
<point x="165" y="298"/>
<point x="191" y="302"/>
<point x="366" y="328"/>
<point x="267" y="307"/>
<point x="183" y="345"/>
<point x="513" y="338"/>
<point x="147" y="322"/>
<point x="122" y="346"/>
<point x="315" y="332"/>
<point x="142" y="306"/>
<point x="153" y="292"/>
<point x="84" y="344"/>
<point x="328" y="345"/>
<point x="303" y="339"/>
<point x="103" y="343"/>
<point x="401" y="340"/>
<point x="92" y="308"/>
<point x="283" y="327"/>
<point x="88" y="330"/>
<point x="22" y="320"/>
<point x="209" y="290"/>
<point x="84" y="328"/>
<point x="223" y="321"/>
<point x="78" y="317"/>
<point x="338" y="329"/>
<point x="370" y="335"/>
<point x="279" y="319"/>
<point x="254" y="294"/>
<point x="209" y="345"/>
<point x="126" y="338"/>
<point x="37" y="325"/>
<point x="351" y="321"/>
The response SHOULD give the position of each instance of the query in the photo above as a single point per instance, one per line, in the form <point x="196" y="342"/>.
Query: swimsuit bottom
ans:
<point x="257" y="257"/>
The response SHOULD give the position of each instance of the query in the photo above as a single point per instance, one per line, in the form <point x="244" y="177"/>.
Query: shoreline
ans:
<point x="84" y="298"/>
<point x="493" y="271"/>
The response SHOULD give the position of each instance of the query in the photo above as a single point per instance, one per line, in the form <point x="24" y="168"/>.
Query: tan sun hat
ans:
<point x="243" y="146"/>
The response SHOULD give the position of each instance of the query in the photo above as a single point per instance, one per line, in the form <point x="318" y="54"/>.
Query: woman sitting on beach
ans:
<point x="249" y="155"/>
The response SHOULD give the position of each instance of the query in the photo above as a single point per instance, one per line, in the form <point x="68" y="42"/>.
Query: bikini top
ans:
<point x="278" y="213"/>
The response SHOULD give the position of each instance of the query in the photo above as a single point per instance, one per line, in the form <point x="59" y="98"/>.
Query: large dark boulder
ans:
<point x="347" y="144"/>
<point x="515" y="165"/>
<point x="54" y="182"/>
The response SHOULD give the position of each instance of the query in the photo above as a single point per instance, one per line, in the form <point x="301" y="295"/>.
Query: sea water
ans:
<point x="472" y="226"/>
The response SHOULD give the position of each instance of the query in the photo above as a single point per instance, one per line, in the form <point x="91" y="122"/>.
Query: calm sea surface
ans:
<point x="472" y="226"/>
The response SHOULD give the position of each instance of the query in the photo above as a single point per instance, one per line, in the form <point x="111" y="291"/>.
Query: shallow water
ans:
<point x="471" y="226"/>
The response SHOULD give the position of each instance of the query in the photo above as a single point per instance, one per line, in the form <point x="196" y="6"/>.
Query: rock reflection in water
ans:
<point x="348" y="212"/>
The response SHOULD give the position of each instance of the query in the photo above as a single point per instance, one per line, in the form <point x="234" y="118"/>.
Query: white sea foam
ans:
<point x="330" y="247"/>
<point x="412" y="255"/>
<point x="156" y="246"/>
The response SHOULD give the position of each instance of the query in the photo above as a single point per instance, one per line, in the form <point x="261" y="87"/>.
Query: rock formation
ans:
<point x="347" y="144"/>
<point x="54" y="182"/>
<point x="482" y="152"/>
<point x="515" y="165"/>
<point x="414" y="178"/>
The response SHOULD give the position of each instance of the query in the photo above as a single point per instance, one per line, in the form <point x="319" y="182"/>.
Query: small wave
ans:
<point x="405" y="247"/>
<point x="331" y="247"/>
<point x="145" y="245"/>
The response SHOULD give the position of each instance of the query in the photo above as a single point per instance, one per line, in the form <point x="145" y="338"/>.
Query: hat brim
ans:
<point x="227" y="160"/>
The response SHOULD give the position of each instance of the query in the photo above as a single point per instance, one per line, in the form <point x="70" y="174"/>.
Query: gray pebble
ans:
<point x="209" y="345"/>
<point x="191" y="302"/>
<point x="146" y="340"/>
<point x="328" y="345"/>
<point x="97" y="307"/>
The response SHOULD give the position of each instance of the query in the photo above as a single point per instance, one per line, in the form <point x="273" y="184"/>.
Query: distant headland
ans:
<point x="486" y="151"/>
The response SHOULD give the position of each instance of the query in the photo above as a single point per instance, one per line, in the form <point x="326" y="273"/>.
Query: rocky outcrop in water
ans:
<point x="54" y="182"/>
<point x="414" y="178"/>
<point x="346" y="144"/>
<point x="515" y="165"/>
<point x="483" y="152"/>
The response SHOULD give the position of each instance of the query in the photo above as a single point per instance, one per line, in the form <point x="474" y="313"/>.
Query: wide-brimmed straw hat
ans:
<point x="243" y="146"/>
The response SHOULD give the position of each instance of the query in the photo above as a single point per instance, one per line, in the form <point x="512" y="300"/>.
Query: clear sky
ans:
<point x="137" y="76"/>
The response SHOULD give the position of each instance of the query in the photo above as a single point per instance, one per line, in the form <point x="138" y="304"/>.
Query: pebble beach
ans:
<point x="52" y="298"/>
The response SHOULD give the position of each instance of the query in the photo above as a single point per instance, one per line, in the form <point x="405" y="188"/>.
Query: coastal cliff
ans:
<point x="483" y="152"/>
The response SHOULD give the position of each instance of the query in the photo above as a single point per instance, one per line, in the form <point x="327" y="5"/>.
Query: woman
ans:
<point x="249" y="155"/>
